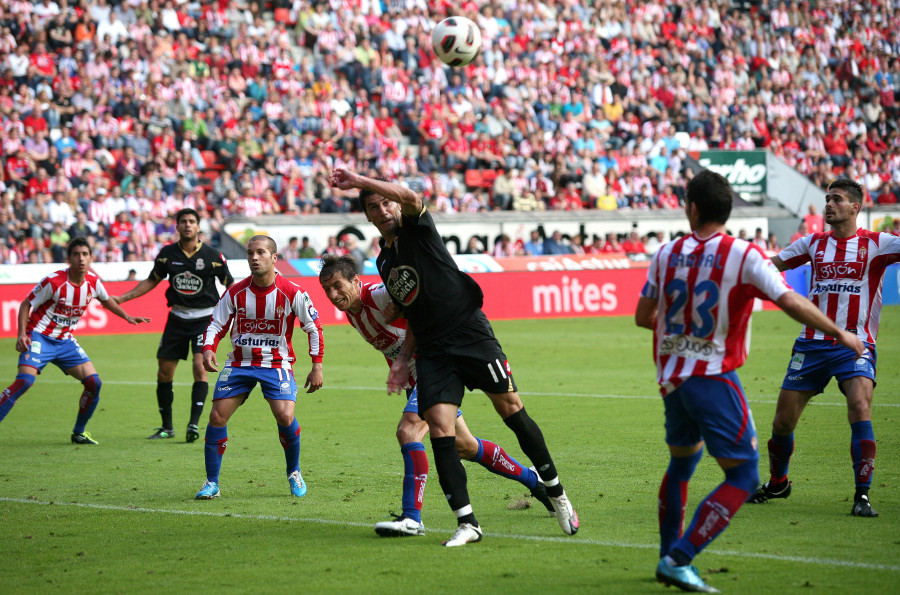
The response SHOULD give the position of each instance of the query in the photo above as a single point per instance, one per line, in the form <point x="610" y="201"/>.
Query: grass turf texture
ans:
<point x="120" y="517"/>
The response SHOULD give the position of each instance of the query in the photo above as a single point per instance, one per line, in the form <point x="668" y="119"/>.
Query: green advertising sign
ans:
<point x="744" y="170"/>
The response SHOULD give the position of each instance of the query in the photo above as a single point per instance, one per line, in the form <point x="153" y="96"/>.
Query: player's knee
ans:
<point x="783" y="424"/>
<point x="92" y="384"/>
<point x="744" y="476"/>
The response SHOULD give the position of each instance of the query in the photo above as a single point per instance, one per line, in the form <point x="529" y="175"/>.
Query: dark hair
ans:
<point x="345" y="265"/>
<point x="186" y="211"/>
<point x="364" y="194"/>
<point x="76" y="243"/>
<point x="270" y="243"/>
<point x="854" y="189"/>
<point x="713" y="196"/>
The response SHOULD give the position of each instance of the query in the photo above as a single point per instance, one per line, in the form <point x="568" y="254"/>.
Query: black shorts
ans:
<point x="468" y="358"/>
<point x="179" y="334"/>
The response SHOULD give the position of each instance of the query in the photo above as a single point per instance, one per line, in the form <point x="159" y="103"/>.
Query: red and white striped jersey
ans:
<point x="370" y="322"/>
<point x="261" y="320"/>
<point x="847" y="275"/>
<point x="705" y="290"/>
<point x="58" y="304"/>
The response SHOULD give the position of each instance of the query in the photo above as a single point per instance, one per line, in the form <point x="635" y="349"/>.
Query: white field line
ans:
<point x="538" y="538"/>
<point x="771" y="401"/>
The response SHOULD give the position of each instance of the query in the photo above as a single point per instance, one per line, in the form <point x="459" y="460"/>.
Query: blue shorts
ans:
<point x="276" y="383"/>
<point x="814" y="362"/>
<point x="412" y="402"/>
<point x="715" y="410"/>
<point x="65" y="353"/>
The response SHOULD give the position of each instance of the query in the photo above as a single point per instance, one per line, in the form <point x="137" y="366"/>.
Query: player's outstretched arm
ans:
<point x="802" y="310"/>
<point x="113" y="306"/>
<point x="23" y="342"/>
<point x="137" y="291"/>
<point x="410" y="202"/>
<point x="315" y="379"/>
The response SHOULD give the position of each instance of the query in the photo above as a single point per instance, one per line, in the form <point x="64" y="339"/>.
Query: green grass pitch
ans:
<point x="121" y="518"/>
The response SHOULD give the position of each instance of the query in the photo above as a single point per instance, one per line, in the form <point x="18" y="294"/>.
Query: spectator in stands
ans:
<point x="814" y="221"/>
<point x="802" y="231"/>
<point x="535" y="245"/>
<point x="555" y="245"/>
<point x="633" y="246"/>
<point x="504" y="247"/>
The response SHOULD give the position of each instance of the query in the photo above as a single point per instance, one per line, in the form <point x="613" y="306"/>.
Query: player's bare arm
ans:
<point x="23" y="343"/>
<point x="645" y="314"/>
<point x="137" y="291"/>
<point x="410" y="202"/>
<point x="399" y="374"/>
<point x="779" y="264"/>
<point x="315" y="379"/>
<point x="113" y="306"/>
<point x="210" y="364"/>
<point x="802" y="310"/>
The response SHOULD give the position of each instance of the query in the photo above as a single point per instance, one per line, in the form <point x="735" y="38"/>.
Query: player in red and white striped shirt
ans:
<point x="848" y="266"/>
<point x="697" y="300"/>
<point x="45" y="334"/>
<point x="260" y="311"/>
<point x="371" y="312"/>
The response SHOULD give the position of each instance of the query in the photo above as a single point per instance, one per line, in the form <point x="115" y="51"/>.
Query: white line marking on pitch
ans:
<point x="576" y="541"/>
<point x="582" y="395"/>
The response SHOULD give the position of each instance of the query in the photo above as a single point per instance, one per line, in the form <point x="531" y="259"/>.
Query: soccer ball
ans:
<point x="456" y="41"/>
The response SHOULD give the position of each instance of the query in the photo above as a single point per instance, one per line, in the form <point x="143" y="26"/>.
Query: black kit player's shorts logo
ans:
<point x="403" y="284"/>
<point x="187" y="283"/>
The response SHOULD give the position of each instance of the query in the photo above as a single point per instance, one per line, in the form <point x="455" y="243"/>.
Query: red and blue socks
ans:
<point x="214" y="447"/>
<point x="780" y="450"/>
<point x="11" y="393"/>
<point x="415" y="474"/>
<point x="716" y="511"/>
<point x="496" y="460"/>
<point x="88" y="402"/>
<point x="862" y="449"/>
<point x="673" y="499"/>
<point x="452" y="477"/>
<point x="290" y="441"/>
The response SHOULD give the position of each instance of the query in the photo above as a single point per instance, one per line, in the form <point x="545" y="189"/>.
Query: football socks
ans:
<point x="88" y="403"/>
<point x="496" y="460"/>
<point x="715" y="512"/>
<point x="780" y="450"/>
<point x="199" y="390"/>
<point x="12" y="392"/>
<point x="862" y="449"/>
<point x="452" y="477"/>
<point x="673" y="499"/>
<point x="415" y="474"/>
<point x="164" y="397"/>
<point x="213" y="449"/>
<point x="290" y="441"/>
<point x="531" y="441"/>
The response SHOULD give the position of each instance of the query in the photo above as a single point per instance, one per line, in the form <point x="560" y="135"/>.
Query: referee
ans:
<point x="192" y="268"/>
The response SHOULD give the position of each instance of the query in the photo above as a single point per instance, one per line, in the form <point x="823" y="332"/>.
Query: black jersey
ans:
<point x="192" y="288"/>
<point x="423" y="279"/>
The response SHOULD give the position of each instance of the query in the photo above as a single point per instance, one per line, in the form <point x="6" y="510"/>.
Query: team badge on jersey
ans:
<point x="311" y="309"/>
<point x="200" y="265"/>
<point x="279" y="310"/>
<point x="403" y="284"/>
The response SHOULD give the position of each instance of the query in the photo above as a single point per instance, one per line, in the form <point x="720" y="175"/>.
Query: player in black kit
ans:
<point x="192" y="268"/>
<point x="453" y="341"/>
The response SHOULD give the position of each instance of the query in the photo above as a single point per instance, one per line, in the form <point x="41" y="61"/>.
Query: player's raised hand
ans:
<point x="23" y="343"/>
<point x="315" y="379"/>
<point x="850" y="340"/>
<point x="209" y="361"/>
<point x="343" y="179"/>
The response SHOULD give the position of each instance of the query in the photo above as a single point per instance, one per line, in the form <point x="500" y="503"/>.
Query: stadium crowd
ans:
<point x="117" y="113"/>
